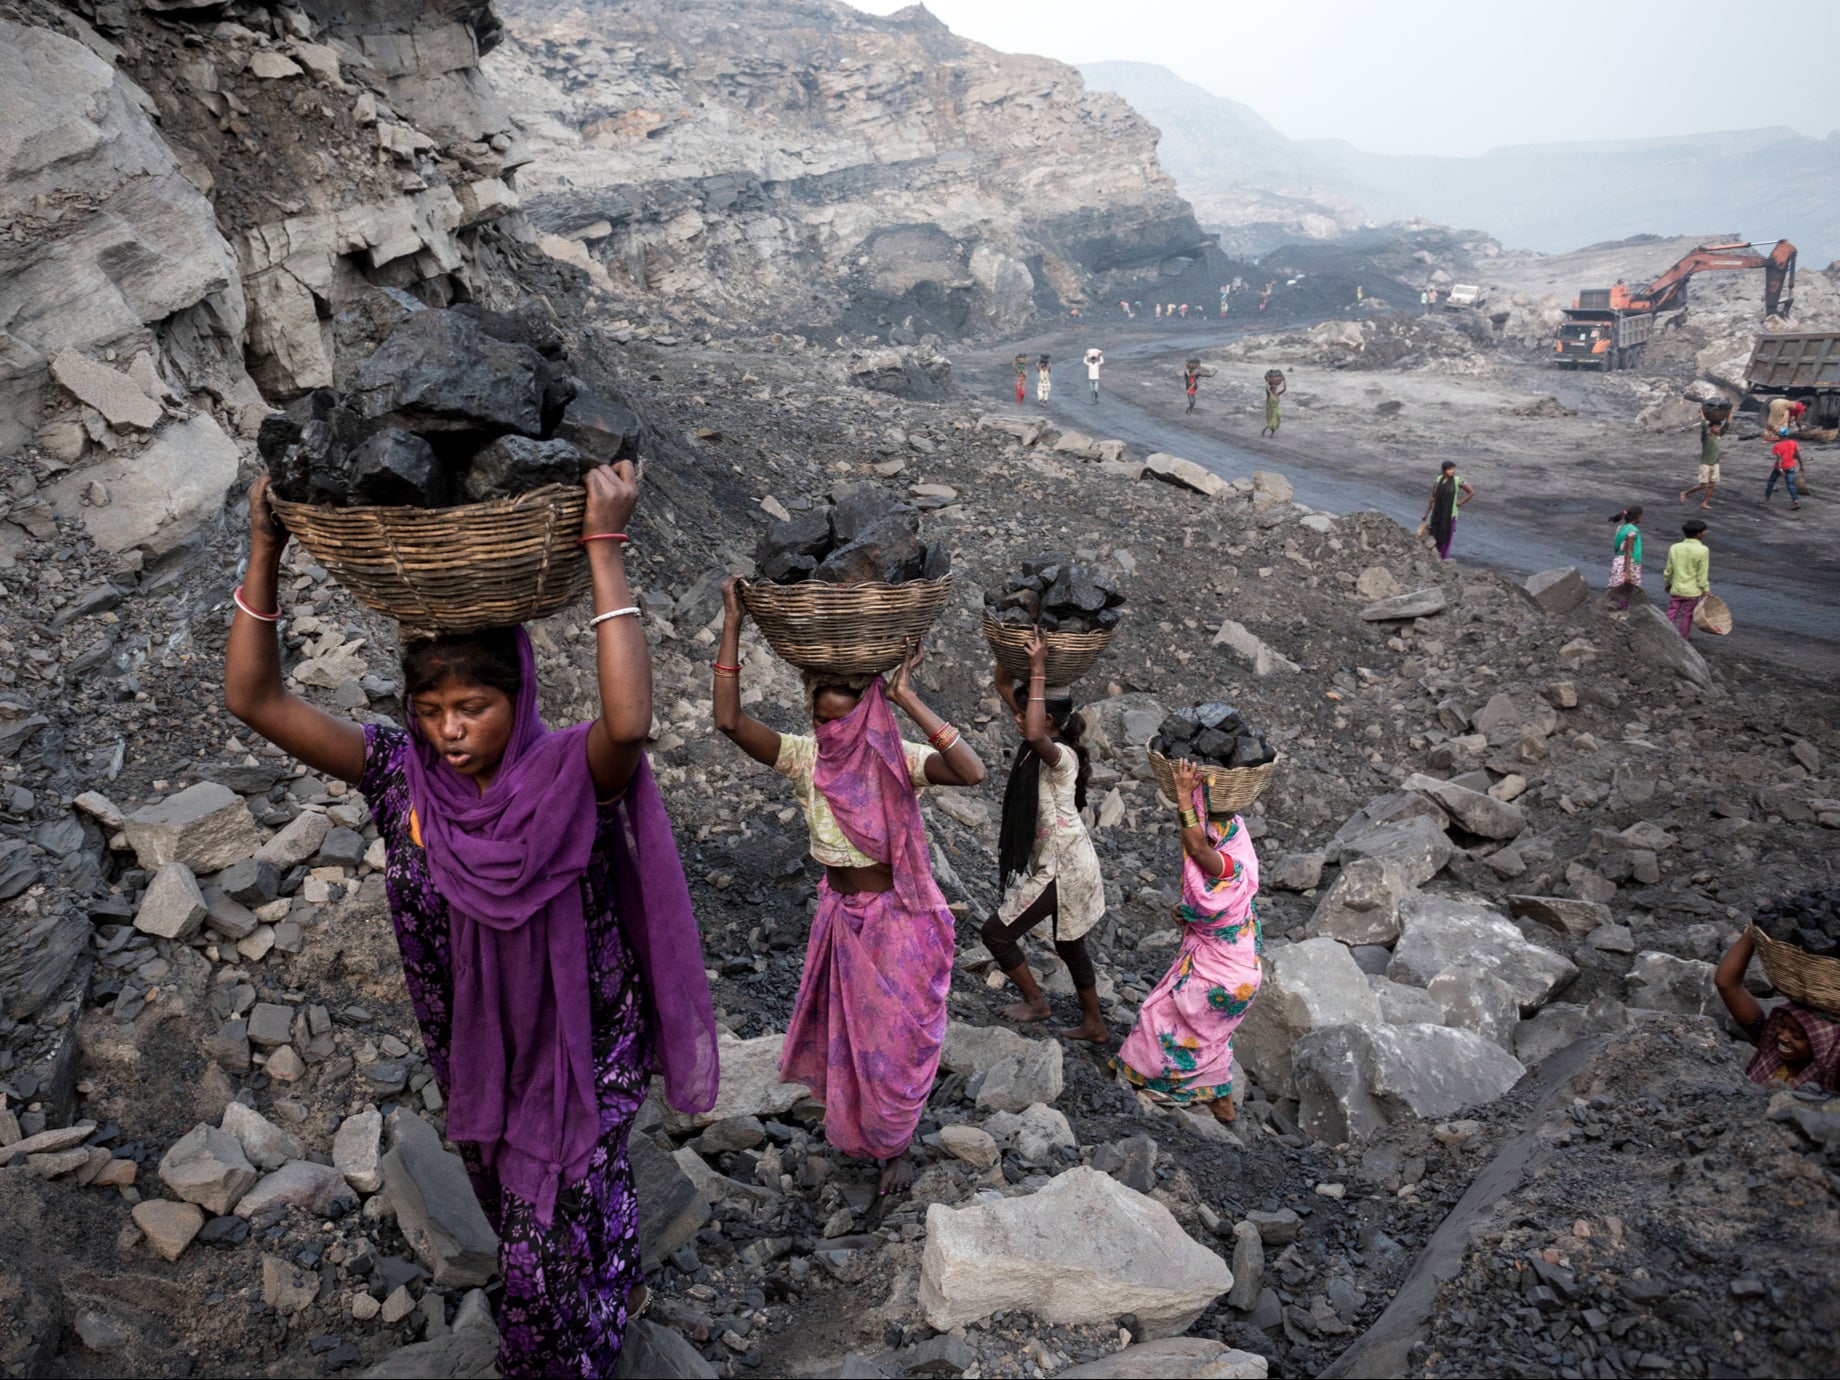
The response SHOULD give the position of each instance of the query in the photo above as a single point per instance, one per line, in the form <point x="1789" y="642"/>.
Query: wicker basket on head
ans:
<point x="452" y="570"/>
<point x="1070" y="654"/>
<point x="1229" y="789"/>
<point x="844" y="630"/>
<point x="1808" y="978"/>
<point x="1712" y="614"/>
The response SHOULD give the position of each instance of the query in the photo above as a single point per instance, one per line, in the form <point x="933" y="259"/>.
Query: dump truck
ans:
<point x="1464" y="295"/>
<point x="1606" y="328"/>
<point x="1800" y="365"/>
<point x="1602" y="338"/>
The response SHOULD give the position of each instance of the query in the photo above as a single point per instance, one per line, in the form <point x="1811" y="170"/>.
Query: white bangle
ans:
<point x="631" y="610"/>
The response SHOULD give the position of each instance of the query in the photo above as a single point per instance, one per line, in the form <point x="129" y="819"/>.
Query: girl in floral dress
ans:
<point x="1181" y="1049"/>
<point x="547" y="940"/>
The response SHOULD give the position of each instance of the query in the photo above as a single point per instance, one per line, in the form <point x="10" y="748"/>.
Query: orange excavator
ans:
<point x="1607" y="328"/>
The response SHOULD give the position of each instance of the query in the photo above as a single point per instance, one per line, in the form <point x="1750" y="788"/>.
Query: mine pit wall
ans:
<point x="815" y="164"/>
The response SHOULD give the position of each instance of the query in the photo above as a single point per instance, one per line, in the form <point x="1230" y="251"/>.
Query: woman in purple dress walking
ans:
<point x="545" y="927"/>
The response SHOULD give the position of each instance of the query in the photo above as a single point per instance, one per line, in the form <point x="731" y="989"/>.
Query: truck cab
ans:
<point x="1464" y="295"/>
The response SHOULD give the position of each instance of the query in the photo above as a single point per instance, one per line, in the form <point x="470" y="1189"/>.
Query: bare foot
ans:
<point x="1224" y="1110"/>
<point x="897" y="1176"/>
<point x="1684" y="493"/>
<point x="1027" y="1011"/>
<point x="1705" y="507"/>
<point x="1094" y="1032"/>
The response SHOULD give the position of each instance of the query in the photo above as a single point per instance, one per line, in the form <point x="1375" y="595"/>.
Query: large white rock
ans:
<point x="1173" y="469"/>
<point x="1084" y="1249"/>
<point x="1659" y="643"/>
<point x="1252" y="649"/>
<point x="1306" y="986"/>
<point x="1663" y="982"/>
<point x="1362" y="907"/>
<point x="1474" y="811"/>
<point x="1353" y="1080"/>
<point x="207" y="827"/>
<point x="133" y="242"/>
<point x="207" y="1166"/>
<point x="1194" y="1358"/>
<point x="266" y="1145"/>
<point x="749" y="1084"/>
<point x="1437" y="932"/>
<point x="161" y="495"/>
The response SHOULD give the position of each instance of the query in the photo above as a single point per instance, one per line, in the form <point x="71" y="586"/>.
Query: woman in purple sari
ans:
<point x="870" y="1016"/>
<point x="545" y="927"/>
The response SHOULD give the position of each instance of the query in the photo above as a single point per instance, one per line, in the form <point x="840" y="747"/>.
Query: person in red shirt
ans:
<point x="1788" y="468"/>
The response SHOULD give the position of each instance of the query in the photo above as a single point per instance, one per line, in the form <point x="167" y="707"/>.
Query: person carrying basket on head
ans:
<point x="869" y="1020"/>
<point x="546" y="933"/>
<point x="1181" y="1049"/>
<point x="1044" y="380"/>
<point x="1047" y="867"/>
<point x="1275" y="388"/>
<point x="1021" y="363"/>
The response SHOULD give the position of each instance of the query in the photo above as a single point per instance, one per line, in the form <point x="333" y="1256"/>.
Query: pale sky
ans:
<point x="1454" y="76"/>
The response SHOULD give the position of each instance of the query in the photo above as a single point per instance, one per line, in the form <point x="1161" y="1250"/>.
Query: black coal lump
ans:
<point x="513" y="465"/>
<point x="396" y="468"/>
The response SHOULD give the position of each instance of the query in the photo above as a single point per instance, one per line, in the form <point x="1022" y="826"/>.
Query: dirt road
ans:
<point x="1545" y="484"/>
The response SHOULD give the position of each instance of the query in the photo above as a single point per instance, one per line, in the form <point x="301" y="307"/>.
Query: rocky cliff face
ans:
<point x="829" y="165"/>
<point x="190" y="198"/>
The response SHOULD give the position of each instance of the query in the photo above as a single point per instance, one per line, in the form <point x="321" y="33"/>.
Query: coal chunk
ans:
<point x="514" y="465"/>
<point x="1215" y="733"/>
<point x="890" y="551"/>
<point x="1059" y="595"/>
<point x="396" y="468"/>
<point x="603" y="429"/>
<point x="439" y="371"/>
<point x="857" y="509"/>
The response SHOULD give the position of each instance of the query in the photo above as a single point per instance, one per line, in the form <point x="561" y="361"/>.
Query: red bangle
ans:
<point x="620" y="537"/>
<point x="733" y="670"/>
<point x="237" y="595"/>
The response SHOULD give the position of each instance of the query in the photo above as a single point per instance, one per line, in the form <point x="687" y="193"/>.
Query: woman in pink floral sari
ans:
<point x="1181" y="1049"/>
<point x="870" y="1016"/>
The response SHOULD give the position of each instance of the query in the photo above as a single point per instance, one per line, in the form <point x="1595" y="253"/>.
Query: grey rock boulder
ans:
<point x="1475" y="999"/>
<point x="207" y="827"/>
<point x="173" y="907"/>
<point x="1019" y="1081"/>
<point x="357" y="1150"/>
<point x="1474" y="811"/>
<point x="1663" y="982"/>
<point x="265" y="1144"/>
<point x="315" y="1188"/>
<point x="1421" y="603"/>
<point x="1557" y="591"/>
<point x="1562" y="914"/>
<point x="1658" y="643"/>
<point x="1186" y="474"/>
<point x="1306" y="986"/>
<point x="1439" y="932"/>
<point x="207" y="1166"/>
<point x="435" y="1207"/>
<point x="1403" y="1005"/>
<point x="1362" y="907"/>
<point x="1354" y="1080"/>
<point x="1195" y="1358"/>
<point x="1082" y="1249"/>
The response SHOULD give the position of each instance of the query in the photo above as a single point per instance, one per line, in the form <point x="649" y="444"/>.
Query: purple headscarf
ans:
<point x="508" y="863"/>
<point x="862" y="772"/>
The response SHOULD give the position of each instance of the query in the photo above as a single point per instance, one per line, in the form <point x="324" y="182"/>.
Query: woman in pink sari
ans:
<point x="870" y="1015"/>
<point x="1181" y="1049"/>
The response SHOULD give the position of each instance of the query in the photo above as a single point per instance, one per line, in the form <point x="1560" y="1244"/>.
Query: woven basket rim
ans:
<point x="1234" y="780"/>
<point x="1811" y="979"/>
<point x="756" y="585"/>
<point x="530" y="498"/>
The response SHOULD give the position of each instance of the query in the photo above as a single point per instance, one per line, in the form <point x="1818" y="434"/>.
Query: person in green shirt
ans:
<point x="1709" y="434"/>
<point x="1688" y="577"/>
<point x="1626" y="564"/>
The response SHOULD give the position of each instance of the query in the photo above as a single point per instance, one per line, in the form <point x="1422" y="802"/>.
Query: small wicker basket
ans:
<point x="844" y="630"/>
<point x="1712" y="614"/>
<point x="1070" y="654"/>
<point x="452" y="570"/>
<point x="1229" y="789"/>
<point x="1808" y="978"/>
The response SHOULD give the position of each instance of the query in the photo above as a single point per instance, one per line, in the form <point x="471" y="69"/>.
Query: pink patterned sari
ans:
<point x="1181" y="1049"/>
<point x="870" y="1015"/>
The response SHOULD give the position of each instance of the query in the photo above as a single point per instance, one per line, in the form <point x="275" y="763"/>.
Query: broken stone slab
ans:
<point x="1557" y="591"/>
<point x="287" y="1287"/>
<point x="1293" y="872"/>
<point x="1663" y="982"/>
<point x="1376" y="582"/>
<point x="1248" y="1267"/>
<point x="1403" y="1005"/>
<point x="1474" y="999"/>
<point x="1197" y="1358"/>
<point x="1438" y="932"/>
<point x="265" y="1145"/>
<point x="1034" y="1133"/>
<point x="1019" y="1081"/>
<point x="971" y="1049"/>
<point x="1252" y="650"/>
<point x="154" y="500"/>
<point x="121" y="401"/>
<point x="652" y="1351"/>
<point x="1416" y="844"/>
<point x="1474" y="811"/>
<point x="1307" y="985"/>
<point x="315" y="1188"/>
<point x="1354" y="1080"/>
<point x="1418" y="603"/>
<point x="169" y="1227"/>
<point x="750" y="1083"/>
<point x="1391" y="808"/>
<point x="357" y="1150"/>
<point x="207" y="827"/>
<point x="173" y="907"/>
<point x="671" y="1208"/>
<point x="975" y="1146"/>
<point x="207" y="1166"/>
<point x="1362" y="907"/>
<point x="1186" y="474"/>
<point x="1658" y="643"/>
<point x="1560" y="913"/>
<point x="435" y="1207"/>
<point x="300" y="840"/>
<point x="1083" y="1249"/>
<point x="1548" y="1031"/>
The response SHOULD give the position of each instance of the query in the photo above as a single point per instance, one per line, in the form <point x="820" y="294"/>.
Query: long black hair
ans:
<point x="1022" y="797"/>
<point x="1633" y="513"/>
<point x="488" y="658"/>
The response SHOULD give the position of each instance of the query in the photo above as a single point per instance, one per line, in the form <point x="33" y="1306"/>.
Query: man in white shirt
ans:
<point x="1094" y="358"/>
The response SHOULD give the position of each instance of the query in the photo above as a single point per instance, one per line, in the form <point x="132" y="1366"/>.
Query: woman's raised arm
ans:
<point x="253" y="687"/>
<point x="622" y="660"/>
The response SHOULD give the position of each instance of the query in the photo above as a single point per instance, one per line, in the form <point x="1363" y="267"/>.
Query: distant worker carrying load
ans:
<point x="1044" y="381"/>
<point x="1191" y="380"/>
<point x="1095" y="357"/>
<point x="1022" y="378"/>
<point x="1275" y="388"/>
